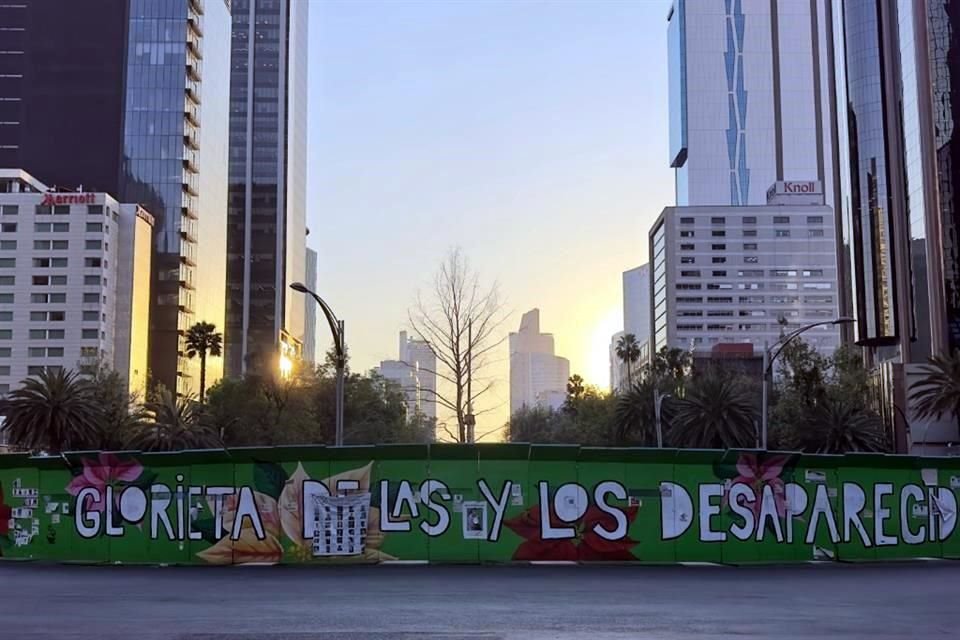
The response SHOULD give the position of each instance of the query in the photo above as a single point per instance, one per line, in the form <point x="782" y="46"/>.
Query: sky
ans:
<point x="532" y="135"/>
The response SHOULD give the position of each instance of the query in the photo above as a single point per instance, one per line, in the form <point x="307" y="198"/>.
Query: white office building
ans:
<point x="725" y="275"/>
<point x="74" y="281"/>
<point x="751" y="98"/>
<point x="636" y="321"/>
<point x="538" y="377"/>
<point x="415" y="373"/>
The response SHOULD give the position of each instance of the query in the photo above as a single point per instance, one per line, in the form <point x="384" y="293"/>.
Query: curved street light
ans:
<point x="339" y="349"/>
<point x="769" y="359"/>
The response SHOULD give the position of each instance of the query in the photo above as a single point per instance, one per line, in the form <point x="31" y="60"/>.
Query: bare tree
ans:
<point x="459" y="321"/>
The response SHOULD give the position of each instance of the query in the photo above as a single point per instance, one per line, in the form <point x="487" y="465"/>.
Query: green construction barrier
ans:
<point x="471" y="504"/>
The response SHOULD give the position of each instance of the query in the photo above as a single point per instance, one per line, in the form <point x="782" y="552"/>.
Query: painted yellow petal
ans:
<point x="361" y="475"/>
<point x="374" y="555"/>
<point x="249" y="549"/>
<point x="289" y="505"/>
<point x="220" y="553"/>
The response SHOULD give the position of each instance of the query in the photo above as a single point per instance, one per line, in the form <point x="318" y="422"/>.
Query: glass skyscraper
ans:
<point x="138" y="108"/>
<point x="266" y="232"/>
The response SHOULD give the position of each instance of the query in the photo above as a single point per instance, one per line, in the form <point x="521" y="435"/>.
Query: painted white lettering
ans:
<point x="499" y="506"/>
<point x="745" y="492"/>
<point x="87" y="523"/>
<point x="881" y="515"/>
<point x="570" y="502"/>
<point x="547" y="530"/>
<point x="191" y="493"/>
<point x="854" y="501"/>
<point x="159" y="501"/>
<point x="600" y="493"/>
<point x="218" y="494"/>
<point x="676" y="510"/>
<point x="946" y="503"/>
<point x="386" y="524"/>
<point x="111" y="529"/>
<point x="708" y="510"/>
<point x="247" y="508"/>
<point x="908" y="492"/>
<point x="427" y="488"/>
<point x="796" y="497"/>
<point x="133" y="504"/>
<point x="768" y="514"/>
<point x="822" y="508"/>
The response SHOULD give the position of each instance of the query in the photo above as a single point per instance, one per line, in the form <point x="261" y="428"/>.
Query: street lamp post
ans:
<point x="658" y="398"/>
<point x="769" y="359"/>
<point x="340" y="353"/>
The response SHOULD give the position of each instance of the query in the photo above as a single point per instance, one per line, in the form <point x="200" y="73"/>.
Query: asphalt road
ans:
<point x="478" y="603"/>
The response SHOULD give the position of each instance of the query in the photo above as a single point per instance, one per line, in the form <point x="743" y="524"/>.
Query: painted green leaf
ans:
<point x="269" y="478"/>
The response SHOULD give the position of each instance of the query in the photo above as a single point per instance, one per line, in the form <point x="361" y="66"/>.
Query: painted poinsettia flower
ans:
<point x="756" y="472"/>
<point x="586" y="545"/>
<point x="5" y="513"/>
<point x="103" y="471"/>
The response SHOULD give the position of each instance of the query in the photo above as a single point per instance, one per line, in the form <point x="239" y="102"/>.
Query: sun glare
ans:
<point x="598" y="358"/>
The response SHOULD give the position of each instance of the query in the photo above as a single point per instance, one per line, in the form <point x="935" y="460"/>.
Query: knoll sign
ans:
<point x="497" y="503"/>
<point x="795" y="192"/>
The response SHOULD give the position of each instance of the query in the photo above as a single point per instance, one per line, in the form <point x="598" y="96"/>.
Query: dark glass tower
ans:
<point x="131" y="97"/>
<point x="266" y="222"/>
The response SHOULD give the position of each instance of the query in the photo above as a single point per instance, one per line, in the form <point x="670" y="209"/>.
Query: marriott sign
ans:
<point x="50" y="199"/>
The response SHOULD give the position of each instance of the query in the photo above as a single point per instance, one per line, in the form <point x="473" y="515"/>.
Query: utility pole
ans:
<point x="470" y="420"/>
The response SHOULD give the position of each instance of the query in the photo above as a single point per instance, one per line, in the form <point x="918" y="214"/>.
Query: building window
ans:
<point x="687" y="247"/>
<point x="6" y="316"/>
<point x="40" y="281"/>
<point x="719" y="274"/>
<point x="60" y="245"/>
<point x="8" y="227"/>
<point x="718" y="220"/>
<point x="91" y="316"/>
<point x="58" y="297"/>
<point x="718" y="234"/>
<point x="88" y="352"/>
<point x="689" y="299"/>
<point x="41" y="245"/>
<point x="813" y="273"/>
<point x="687" y="260"/>
<point x="750" y="259"/>
<point x="43" y="210"/>
<point x="682" y="286"/>
<point x="61" y="210"/>
<point x="90" y="334"/>
<point x="58" y="280"/>
<point x="6" y="334"/>
<point x="719" y="247"/>
<point x="9" y="210"/>
<point x="781" y="219"/>
<point x="691" y="274"/>
<point x="91" y="298"/>
<point x="6" y="280"/>
<point x="93" y="244"/>
<point x="6" y="298"/>
<point x="8" y="263"/>
<point x="91" y="280"/>
<point x="782" y="233"/>
<point x="715" y="286"/>
<point x="95" y="209"/>
<point x="782" y="273"/>
<point x="689" y="327"/>
<point x="61" y="226"/>
<point x="686" y="220"/>
<point x="718" y="260"/>
<point x="686" y="234"/>
<point x="815" y="233"/>
<point x="814" y="219"/>
<point x="92" y="262"/>
<point x="41" y="227"/>
<point x="817" y="285"/>
<point x="6" y="352"/>
<point x="749" y="233"/>
<point x="8" y="245"/>
<point x="720" y="300"/>
<point x="94" y="227"/>
<point x="749" y="219"/>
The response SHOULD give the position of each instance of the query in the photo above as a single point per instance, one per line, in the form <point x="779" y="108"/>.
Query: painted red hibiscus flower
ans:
<point x="106" y="469"/>
<point x="5" y="513"/>
<point x="586" y="546"/>
<point x="756" y="472"/>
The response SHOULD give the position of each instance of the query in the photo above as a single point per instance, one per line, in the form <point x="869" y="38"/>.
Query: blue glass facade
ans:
<point x="677" y="61"/>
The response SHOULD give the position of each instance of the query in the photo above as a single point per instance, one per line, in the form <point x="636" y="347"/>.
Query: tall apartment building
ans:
<point x="725" y="275"/>
<point x="310" y="310"/>
<point x="74" y="281"/>
<point x="636" y="321"/>
<point x="415" y="372"/>
<point x="538" y="377"/>
<point x="130" y="97"/>
<point x="899" y="67"/>
<point x="266" y="231"/>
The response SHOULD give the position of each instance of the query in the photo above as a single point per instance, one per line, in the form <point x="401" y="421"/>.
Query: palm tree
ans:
<point x="54" y="411"/>
<point x="635" y="415"/>
<point x="174" y="424"/>
<point x="628" y="351"/>
<point x="715" y="412"/>
<point x="575" y="387"/>
<point x="203" y="339"/>
<point x="839" y="426"/>
<point x="938" y="392"/>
